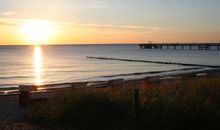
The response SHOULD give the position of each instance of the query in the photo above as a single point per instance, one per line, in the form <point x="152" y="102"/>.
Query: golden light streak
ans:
<point x="38" y="64"/>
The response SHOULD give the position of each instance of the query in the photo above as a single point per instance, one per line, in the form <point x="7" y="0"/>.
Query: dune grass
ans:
<point x="189" y="103"/>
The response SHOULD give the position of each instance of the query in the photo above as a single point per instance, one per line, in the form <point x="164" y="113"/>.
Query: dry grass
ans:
<point x="181" y="104"/>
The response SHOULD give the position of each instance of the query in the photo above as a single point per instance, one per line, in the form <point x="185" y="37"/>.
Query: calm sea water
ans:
<point x="57" y="64"/>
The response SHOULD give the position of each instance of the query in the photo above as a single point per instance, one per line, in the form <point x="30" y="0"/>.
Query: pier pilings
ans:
<point x="181" y="46"/>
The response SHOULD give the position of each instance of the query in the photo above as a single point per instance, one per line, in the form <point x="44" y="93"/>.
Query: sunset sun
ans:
<point x="37" y="31"/>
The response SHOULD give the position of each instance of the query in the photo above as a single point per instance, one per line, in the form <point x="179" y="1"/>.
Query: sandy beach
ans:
<point x="12" y="112"/>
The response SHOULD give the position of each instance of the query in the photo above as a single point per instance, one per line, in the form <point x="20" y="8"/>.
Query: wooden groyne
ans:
<point x="181" y="46"/>
<point x="156" y="62"/>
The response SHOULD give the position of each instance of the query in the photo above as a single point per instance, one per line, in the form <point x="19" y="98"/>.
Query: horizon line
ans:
<point x="54" y="44"/>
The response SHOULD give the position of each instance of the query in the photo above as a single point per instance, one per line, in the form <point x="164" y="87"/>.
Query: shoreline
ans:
<point x="159" y="75"/>
<point x="11" y="112"/>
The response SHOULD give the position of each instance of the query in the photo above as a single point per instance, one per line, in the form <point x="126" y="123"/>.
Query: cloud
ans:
<point x="18" y="22"/>
<point x="99" y="4"/>
<point x="10" y="21"/>
<point x="8" y="13"/>
<point x="116" y="26"/>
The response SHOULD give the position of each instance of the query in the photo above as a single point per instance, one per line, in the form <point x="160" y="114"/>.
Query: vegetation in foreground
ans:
<point x="181" y="104"/>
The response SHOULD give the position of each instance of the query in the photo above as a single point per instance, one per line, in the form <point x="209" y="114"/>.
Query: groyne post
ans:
<point x="199" y="47"/>
<point x="136" y="103"/>
<point x="157" y="62"/>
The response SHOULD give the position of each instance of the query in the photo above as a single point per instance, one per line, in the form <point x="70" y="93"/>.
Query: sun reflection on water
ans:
<point x="38" y="64"/>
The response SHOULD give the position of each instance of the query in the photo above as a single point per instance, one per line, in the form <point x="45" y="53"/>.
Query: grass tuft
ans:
<point x="181" y="104"/>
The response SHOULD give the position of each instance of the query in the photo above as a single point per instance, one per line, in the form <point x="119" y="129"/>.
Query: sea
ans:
<point x="51" y="64"/>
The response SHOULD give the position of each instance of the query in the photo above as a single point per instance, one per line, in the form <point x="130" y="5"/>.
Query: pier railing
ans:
<point x="181" y="46"/>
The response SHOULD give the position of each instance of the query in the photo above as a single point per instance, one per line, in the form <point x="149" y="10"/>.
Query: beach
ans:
<point x="12" y="113"/>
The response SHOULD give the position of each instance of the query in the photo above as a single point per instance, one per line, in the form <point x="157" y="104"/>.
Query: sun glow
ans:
<point x="37" y="31"/>
<point x="38" y="65"/>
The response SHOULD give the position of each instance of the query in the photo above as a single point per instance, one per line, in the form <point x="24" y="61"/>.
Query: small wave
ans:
<point x="74" y="71"/>
<point x="14" y="77"/>
<point x="152" y="72"/>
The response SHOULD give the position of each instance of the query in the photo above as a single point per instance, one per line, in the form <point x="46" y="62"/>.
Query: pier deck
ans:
<point x="181" y="46"/>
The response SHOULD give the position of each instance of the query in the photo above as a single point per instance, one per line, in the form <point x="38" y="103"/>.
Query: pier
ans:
<point x="181" y="46"/>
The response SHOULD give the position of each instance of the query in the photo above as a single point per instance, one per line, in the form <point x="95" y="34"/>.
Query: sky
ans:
<point x="112" y="21"/>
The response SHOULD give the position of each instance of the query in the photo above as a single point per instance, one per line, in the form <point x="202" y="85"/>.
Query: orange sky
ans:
<point x="104" y="21"/>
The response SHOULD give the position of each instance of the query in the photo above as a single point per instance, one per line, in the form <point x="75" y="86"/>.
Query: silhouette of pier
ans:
<point x="181" y="46"/>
